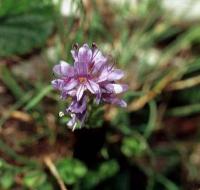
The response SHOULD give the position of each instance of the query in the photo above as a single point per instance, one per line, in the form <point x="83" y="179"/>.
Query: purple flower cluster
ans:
<point x="91" y="76"/>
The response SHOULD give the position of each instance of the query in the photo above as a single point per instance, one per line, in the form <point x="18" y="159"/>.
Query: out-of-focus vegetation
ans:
<point x="153" y="144"/>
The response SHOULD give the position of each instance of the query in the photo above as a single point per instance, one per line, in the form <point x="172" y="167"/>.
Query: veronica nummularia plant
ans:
<point x="91" y="77"/>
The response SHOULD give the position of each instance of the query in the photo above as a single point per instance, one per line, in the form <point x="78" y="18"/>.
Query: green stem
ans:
<point x="152" y="119"/>
<point x="184" y="110"/>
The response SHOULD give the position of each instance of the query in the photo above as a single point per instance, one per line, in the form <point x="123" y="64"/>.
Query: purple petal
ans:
<point x="78" y="106"/>
<point x="72" y="92"/>
<point x="93" y="87"/>
<point x="121" y="103"/>
<point x="97" y="55"/>
<point x="70" y="85"/>
<point x="74" y="54"/>
<point x="112" y="99"/>
<point x="63" y="95"/>
<point x="116" y="88"/>
<point x="103" y="76"/>
<point x="63" y="69"/>
<point x="99" y="65"/>
<point x="111" y="75"/>
<point x="115" y="74"/>
<point x="77" y="110"/>
<point x="57" y="84"/>
<point x="98" y="98"/>
<point x="72" y="122"/>
<point x="80" y="92"/>
<point x="84" y="54"/>
<point x="81" y="68"/>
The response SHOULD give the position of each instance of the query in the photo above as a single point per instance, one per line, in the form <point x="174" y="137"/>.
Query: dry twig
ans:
<point x="22" y="116"/>
<point x="187" y="83"/>
<point x="49" y="163"/>
<point x="142" y="101"/>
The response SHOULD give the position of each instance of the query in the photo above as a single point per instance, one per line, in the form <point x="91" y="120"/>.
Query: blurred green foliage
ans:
<point x="71" y="170"/>
<point x="24" y="25"/>
<point x="104" y="171"/>
<point x="34" y="179"/>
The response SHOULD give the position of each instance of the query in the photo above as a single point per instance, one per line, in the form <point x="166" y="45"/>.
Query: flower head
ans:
<point x="90" y="76"/>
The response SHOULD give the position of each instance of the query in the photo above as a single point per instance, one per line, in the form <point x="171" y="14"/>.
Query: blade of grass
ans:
<point x="183" y="84"/>
<point x="152" y="119"/>
<point x="156" y="90"/>
<point x="11" y="83"/>
<point x="194" y="66"/>
<point x="38" y="97"/>
<point x="168" y="184"/>
<point x="183" y="41"/>
<point x="184" y="110"/>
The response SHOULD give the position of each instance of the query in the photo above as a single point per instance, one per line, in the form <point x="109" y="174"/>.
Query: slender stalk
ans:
<point x="143" y="100"/>
<point x="184" y="110"/>
<point x="49" y="163"/>
<point x="179" y="85"/>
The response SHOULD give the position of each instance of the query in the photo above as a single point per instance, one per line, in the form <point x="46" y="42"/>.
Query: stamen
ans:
<point x="75" y="46"/>
<point x="94" y="45"/>
<point x="82" y="79"/>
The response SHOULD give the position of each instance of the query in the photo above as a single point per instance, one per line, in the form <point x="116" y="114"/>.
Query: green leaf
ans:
<point x="11" y="83"/>
<point x="7" y="180"/>
<point x="71" y="170"/>
<point x="104" y="171"/>
<point x="34" y="179"/>
<point x="41" y="94"/>
<point x="108" y="169"/>
<point x="133" y="146"/>
<point x="184" y="110"/>
<point x="96" y="117"/>
<point x="24" y="25"/>
<point x="152" y="119"/>
<point x="15" y="7"/>
<point x="1" y="163"/>
<point x="45" y="186"/>
<point x="168" y="184"/>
